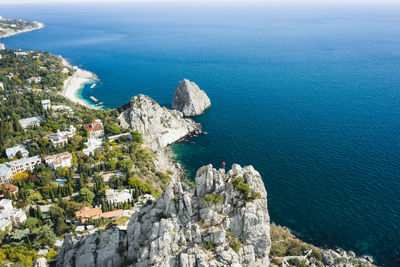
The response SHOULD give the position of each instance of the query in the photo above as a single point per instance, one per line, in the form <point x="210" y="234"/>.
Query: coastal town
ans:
<point x="64" y="167"/>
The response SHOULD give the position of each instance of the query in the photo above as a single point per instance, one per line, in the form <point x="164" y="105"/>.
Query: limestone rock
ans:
<point x="158" y="125"/>
<point x="181" y="228"/>
<point x="189" y="99"/>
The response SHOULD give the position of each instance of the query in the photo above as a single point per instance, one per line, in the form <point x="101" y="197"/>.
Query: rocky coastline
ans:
<point x="220" y="220"/>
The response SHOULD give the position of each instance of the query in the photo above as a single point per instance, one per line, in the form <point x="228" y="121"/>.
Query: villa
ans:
<point x="87" y="213"/>
<point x="8" y="169"/>
<point x="92" y="144"/>
<point x="61" y="137"/>
<point x="59" y="160"/>
<point x="12" y="152"/>
<point x="32" y="121"/>
<point x="95" y="128"/>
<point x="23" y="165"/>
<point x="118" y="196"/>
<point x="9" y="215"/>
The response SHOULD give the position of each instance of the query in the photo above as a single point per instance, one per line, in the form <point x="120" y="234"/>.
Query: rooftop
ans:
<point x="96" y="125"/>
<point x="23" y="161"/>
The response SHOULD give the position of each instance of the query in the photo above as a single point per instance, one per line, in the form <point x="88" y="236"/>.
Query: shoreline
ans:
<point x="75" y="83"/>
<point x="38" y="27"/>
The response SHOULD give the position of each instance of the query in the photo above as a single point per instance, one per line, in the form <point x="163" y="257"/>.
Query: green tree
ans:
<point x="31" y="223"/>
<point x="87" y="195"/>
<point x="44" y="236"/>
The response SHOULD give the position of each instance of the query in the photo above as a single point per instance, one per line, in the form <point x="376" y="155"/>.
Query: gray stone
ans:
<point x="158" y="125"/>
<point x="189" y="99"/>
<point x="157" y="237"/>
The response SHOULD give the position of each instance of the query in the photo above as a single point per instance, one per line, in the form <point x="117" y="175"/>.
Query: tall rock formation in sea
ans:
<point x="158" y="125"/>
<point x="189" y="99"/>
<point x="216" y="222"/>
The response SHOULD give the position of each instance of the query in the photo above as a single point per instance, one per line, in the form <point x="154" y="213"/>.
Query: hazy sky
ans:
<point x="188" y="1"/>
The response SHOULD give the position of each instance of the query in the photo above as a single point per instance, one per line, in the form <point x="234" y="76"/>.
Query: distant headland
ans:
<point x="10" y="27"/>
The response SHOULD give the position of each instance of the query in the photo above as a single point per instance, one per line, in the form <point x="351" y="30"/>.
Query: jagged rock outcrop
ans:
<point x="189" y="99"/>
<point x="221" y="221"/>
<point x="158" y="125"/>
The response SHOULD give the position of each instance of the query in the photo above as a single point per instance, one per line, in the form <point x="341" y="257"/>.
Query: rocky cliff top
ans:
<point x="189" y="99"/>
<point x="158" y="125"/>
<point x="222" y="220"/>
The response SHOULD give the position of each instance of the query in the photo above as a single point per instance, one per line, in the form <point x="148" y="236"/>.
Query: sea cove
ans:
<point x="309" y="96"/>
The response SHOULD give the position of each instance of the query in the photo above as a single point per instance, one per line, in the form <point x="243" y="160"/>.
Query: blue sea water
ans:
<point x="309" y="95"/>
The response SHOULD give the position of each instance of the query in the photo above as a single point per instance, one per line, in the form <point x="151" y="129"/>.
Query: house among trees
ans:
<point x="15" y="151"/>
<point x="92" y="144"/>
<point x="8" y="169"/>
<point x="34" y="80"/>
<point x="46" y="104"/>
<point x="32" y="121"/>
<point x="9" y="215"/>
<point x="87" y="213"/>
<point x="59" y="160"/>
<point x="61" y="138"/>
<point x="95" y="128"/>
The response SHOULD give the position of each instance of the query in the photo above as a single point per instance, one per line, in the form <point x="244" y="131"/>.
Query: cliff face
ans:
<point x="158" y="125"/>
<point x="217" y="222"/>
<point x="189" y="99"/>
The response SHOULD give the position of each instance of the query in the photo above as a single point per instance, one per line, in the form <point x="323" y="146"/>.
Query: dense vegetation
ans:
<point x="121" y="164"/>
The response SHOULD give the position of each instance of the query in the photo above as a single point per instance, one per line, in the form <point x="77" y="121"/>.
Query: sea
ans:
<point x="307" y="94"/>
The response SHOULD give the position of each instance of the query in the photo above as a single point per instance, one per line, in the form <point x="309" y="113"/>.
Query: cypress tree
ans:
<point x="39" y="213"/>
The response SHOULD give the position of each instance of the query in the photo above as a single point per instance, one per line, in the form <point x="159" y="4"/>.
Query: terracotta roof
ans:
<point x="10" y="187"/>
<point x="112" y="214"/>
<point x="87" y="212"/>
<point x="95" y="126"/>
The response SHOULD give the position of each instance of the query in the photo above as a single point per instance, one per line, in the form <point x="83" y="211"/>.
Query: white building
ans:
<point x="5" y="173"/>
<point x="118" y="136"/>
<point x="20" y="53"/>
<point x="34" y="80"/>
<point x="1" y="84"/>
<point x="5" y="204"/>
<point x="22" y="165"/>
<point x="8" y="169"/>
<point x="118" y="196"/>
<point x="13" y="151"/>
<point x="59" y="160"/>
<point x="92" y="144"/>
<point x="10" y="215"/>
<point x="61" y="138"/>
<point x="32" y="121"/>
<point x="2" y="46"/>
<point x="65" y="70"/>
<point x="95" y="128"/>
<point x="4" y="224"/>
<point x="46" y="104"/>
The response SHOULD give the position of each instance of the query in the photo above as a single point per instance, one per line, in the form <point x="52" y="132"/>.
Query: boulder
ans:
<point x="189" y="99"/>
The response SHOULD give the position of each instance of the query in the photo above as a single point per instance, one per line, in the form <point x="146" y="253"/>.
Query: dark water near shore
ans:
<point x="309" y="96"/>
